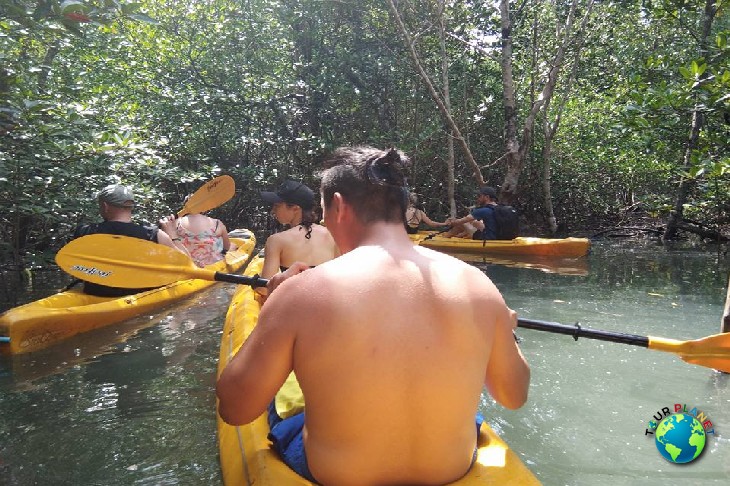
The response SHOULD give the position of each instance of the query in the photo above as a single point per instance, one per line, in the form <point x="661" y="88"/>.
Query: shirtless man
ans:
<point x="391" y="342"/>
<point x="305" y="241"/>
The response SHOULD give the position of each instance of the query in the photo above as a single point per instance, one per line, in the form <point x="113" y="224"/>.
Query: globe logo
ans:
<point x="680" y="438"/>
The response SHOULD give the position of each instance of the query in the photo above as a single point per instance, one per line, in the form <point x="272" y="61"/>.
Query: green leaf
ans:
<point x="128" y="8"/>
<point x="72" y="27"/>
<point x="69" y="6"/>
<point x="144" y="18"/>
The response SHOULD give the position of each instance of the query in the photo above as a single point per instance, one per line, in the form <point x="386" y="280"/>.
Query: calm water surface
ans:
<point x="135" y="404"/>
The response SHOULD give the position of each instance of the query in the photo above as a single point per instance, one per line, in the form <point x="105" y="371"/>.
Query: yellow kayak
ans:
<point x="523" y="245"/>
<point x="41" y="323"/>
<point x="245" y="451"/>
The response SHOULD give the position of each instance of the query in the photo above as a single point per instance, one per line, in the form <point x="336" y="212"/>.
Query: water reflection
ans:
<point x="133" y="406"/>
<point x="561" y="266"/>
<point x="18" y="288"/>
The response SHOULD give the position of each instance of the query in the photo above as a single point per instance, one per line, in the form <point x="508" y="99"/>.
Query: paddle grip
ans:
<point x="254" y="281"/>
<point x="577" y="331"/>
<point x="4" y="339"/>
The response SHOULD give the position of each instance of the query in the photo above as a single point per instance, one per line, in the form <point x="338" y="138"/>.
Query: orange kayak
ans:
<point x="39" y="324"/>
<point x="556" y="247"/>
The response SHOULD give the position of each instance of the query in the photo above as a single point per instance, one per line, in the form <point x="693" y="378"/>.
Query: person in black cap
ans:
<point x="116" y="203"/>
<point x="292" y="204"/>
<point x="480" y="223"/>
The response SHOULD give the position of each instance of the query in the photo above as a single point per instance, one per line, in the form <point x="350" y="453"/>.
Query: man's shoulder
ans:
<point x="482" y="210"/>
<point x="85" y="229"/>
<point x="121" y="228"/>
<point x="447" y="263"/>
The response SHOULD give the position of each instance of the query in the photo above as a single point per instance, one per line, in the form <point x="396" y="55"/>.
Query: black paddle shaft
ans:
<point x="254" y="281"/>
<point x="436" y="233"/>
<point x="577" y="331"/>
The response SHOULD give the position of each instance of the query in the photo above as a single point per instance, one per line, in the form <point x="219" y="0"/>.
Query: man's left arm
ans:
<point x="508" y="374"/>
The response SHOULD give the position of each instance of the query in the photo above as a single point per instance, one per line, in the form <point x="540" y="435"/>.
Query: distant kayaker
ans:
<point x="116" y="203"/>
<point x="205" y="238"/>
<point x="415" y="216"/>
<point x="480" y="223"/>
<point x="292" y="204"/>
<point x="391" y="342"/>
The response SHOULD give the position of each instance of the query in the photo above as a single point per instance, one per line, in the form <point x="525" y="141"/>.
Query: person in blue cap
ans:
<point x="480" y="224"/>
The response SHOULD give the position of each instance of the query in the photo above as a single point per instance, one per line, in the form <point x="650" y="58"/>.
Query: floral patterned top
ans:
<point x="204" y="248"/>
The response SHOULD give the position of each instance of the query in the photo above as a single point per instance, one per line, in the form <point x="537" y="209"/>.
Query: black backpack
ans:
<point x="508" y="223"/>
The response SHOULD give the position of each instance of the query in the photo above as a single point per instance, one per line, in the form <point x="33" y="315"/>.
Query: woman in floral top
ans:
<point x="205" y="238"/>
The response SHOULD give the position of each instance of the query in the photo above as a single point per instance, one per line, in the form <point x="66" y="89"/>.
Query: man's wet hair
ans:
<point x="373" y="181"/>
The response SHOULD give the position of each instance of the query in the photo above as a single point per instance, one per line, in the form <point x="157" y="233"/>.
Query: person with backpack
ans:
<point x="488" y="221"/>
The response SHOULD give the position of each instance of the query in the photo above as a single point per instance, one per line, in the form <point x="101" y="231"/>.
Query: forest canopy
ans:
<point x="581" y="113"/>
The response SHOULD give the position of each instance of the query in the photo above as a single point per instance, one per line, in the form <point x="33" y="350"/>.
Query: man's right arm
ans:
<point x="254" y="375"/>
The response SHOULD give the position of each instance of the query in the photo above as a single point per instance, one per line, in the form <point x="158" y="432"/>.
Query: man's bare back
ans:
<point x="390" y="351"/>
<point x="391" y="344"/>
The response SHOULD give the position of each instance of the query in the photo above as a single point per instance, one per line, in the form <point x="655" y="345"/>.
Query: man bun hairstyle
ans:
<point x="373" y="181"/>
<point x="387" y="170"/>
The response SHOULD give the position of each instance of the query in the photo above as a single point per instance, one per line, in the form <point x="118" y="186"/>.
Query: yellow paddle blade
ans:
<point x="211" y="195"/>
<point x="122" y="261"/>
<point x="711" y="351"/>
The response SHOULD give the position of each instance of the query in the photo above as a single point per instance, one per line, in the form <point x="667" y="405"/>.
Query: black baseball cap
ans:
<point x="291" y="192"/>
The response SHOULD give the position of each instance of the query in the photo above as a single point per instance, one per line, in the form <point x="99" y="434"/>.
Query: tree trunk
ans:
<point x="686" y="183"/>
<point x="546" y="190"/>
<point x="512" y="145"/>
<point x="45" y="69"/>
<point x="549" y="131"/>
<point x="725" y="324"/>
<point x="447" y="102"/>
<point x="516" y="151"/>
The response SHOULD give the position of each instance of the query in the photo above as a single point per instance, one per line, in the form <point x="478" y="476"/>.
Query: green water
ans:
<point x="134" y="404"/>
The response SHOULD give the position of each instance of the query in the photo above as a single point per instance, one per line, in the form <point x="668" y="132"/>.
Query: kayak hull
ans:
<point x="245" y="451"/>
<point x="555" y="247"/>
<point x="39" y="324"/>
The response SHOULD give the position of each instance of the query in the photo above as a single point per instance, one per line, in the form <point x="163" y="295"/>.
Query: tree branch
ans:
<point x="435" y="95"/>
